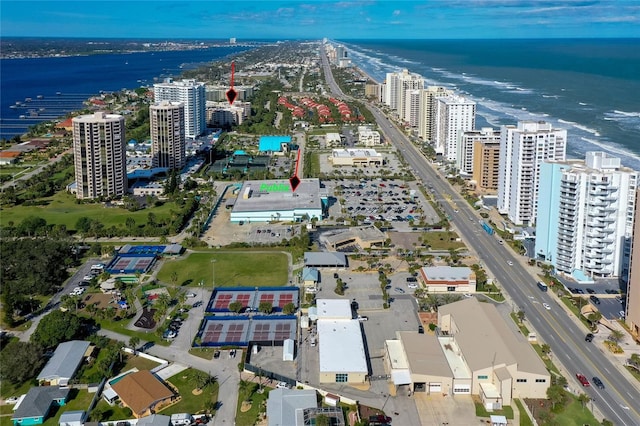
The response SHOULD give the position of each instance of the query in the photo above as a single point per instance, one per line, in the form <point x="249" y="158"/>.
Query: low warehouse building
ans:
<point x="441" y="279"/>
<point x="473" y="352"/>
<point x="356" y="157"/>
<point x="274" y="200"/>
<point x="342" y="355"/>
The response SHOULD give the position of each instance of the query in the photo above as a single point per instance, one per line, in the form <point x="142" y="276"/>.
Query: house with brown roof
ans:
<point x="143" y="393"/>
<point x="9" y="157"/>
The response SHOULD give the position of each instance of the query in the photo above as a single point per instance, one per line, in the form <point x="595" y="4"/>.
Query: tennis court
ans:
<point x="222" y="297"/>
<point x="154" y="250"/>
<point x="251" y="297"/>
<point x="131" y="263"/>
<point x="221" y="331"/>
<point x="240" y="330"/>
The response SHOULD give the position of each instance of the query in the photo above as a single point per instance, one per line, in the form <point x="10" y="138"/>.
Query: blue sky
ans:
<point x="313" y="19"/>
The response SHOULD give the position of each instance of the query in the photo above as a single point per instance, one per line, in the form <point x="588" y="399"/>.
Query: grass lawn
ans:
<point x="574" y="414"/>
<point x="139" y="363"/>
<point x="121" y="327"/>
<point x="506" y="411"/>
<point x="9" y="389"/>
<point x="112" y="412"/>
<point x="78" y="400"/>
<point x="63" y="210"/>
<point x="204" y="353"/>
<point x="249" y="418"/>
<point x="6" y="409"/>
<point x="635" y="373"/>
<point x="231" y="269"/>
<point x="441" y="240"/>
<point x="523" y="329"/>
<point x="525" y="420"/>
<point x="190" y="403"/>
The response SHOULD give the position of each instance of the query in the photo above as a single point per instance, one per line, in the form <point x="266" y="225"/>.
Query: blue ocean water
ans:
<point x="58" y="85"/>
<point x="590" y="87"/>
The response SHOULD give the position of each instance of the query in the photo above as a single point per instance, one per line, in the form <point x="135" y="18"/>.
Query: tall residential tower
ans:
<point x="99" y="155"/>
<point x="167" y="135"/>
<point x="522" y="149"/>
<point x="192" y="95"/>
<point x="585" y="216"/>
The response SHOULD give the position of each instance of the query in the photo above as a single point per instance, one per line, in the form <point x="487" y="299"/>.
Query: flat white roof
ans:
<point x="449" y="273"/>
<point x="355" y="152"/>
<point x="397" y="358"/>
<point x="334" y="309"/>
<point x="341" y="347"/>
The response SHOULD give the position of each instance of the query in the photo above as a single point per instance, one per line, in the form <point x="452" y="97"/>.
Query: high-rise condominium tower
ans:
<point x="398" y="84"/>
<point x="585" y="216"/>
<point x="192" y="95"/>
<point x="454" y="116"/>
<point x="99" y="155"/>
<point x="632" y="314"/>
<point x="427" y="114"/>
<point x="167" y="135"/>
<point x="522" y="149"/>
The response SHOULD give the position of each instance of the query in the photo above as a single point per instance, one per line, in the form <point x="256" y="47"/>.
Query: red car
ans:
<point x="582" y="379"/>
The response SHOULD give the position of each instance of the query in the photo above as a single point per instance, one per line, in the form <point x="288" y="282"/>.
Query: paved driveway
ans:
<point x="445" y="410"/>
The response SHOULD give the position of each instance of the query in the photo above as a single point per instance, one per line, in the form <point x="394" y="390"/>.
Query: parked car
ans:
<point x="588" y="337"/>
<point x="582" y="379"/>
<point x="191" y="295"/>
<point x="412" y="285"/>
<point x="216" y="354"/>
<point x="399" y="290"/>
<point x="11" y="400"/>
<point x="169" y="334"/>
<point x="591" y="291"/>
<point x="282" y="385"/>
<point x="363" y="318"/>
<point x="420" y="329"/>
<point x="594" y="299"/>
<point x="596" y="381"/>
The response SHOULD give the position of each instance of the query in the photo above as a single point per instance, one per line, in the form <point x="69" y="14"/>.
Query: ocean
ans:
<point x="591" y="87"/>
<point x="48" y="88"/>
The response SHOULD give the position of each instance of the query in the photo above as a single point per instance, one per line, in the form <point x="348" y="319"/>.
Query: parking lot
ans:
<point x="265" y="233"/>
<point x="377" y="200"/>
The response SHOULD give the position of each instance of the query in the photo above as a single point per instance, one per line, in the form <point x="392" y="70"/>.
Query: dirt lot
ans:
<point x="101" y="300"/>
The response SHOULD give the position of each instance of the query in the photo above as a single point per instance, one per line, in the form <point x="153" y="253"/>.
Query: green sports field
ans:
<point x="61" y="209"/>
<point x="230" y="268"/>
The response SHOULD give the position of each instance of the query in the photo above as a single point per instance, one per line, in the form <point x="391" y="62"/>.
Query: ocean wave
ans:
<point x="616" y="150"/>
<point x="551" y="96"/>
<point x="582" y="103"/>
<point x="627" y="114"/>
<point x="560" y="120"/>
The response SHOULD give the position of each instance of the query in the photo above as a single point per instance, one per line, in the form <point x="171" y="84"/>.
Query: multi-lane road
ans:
<point x="620" y="400"/>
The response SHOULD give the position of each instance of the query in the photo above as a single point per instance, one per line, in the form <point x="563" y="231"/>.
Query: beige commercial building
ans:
<point x="472" y="352"/>
<point x="448" y="279"/>
<point x="356" y="157"/>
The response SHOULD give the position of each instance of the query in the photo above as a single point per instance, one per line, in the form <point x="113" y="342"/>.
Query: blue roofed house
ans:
<point x="36" y="405"/>
<point x="310" y="277"/>
<point x="274" y="143"/>
<point x="64" y="363"/>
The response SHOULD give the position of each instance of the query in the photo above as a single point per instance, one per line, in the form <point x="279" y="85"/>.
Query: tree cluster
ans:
<point x="31" y="267"/>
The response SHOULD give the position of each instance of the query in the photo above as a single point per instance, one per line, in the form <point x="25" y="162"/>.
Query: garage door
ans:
<point x="462" y="389"/>
<point x="435" y="387"/>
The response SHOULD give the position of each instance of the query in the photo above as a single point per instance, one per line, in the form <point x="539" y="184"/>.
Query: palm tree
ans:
<point x="545" y="349"/>
<point x="556" y="395"/>
<point x="616" y="336"/>
<point x="134" y="341"/>
<point x="584" y="399"/>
